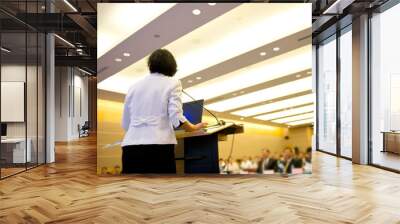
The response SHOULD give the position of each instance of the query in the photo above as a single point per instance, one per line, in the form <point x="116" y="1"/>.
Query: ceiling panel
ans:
<point x="288" y="103"/>
<point x="294" y="118"/>
<point x="126" y="19"/>
<point x="286" y="113"/>
<point x="301" y="122"/>
<point x="213" y="42"/>
<point x="289" y="88"/>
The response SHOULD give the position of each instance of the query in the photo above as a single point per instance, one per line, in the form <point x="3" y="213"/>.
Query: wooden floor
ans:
<point x="70" y="192"/>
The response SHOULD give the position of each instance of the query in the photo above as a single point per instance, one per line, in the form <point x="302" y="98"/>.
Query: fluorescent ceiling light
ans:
<point x="338" y="6"/>
<point x="235" y="28"/>
<point x="294" y="123"/>
<point x="274" y="68"/>
<point x="84" y="71"/>
<point x="126" y="19"/>
<point x="64" y="40"/>
<point x="294" y="118"/>
<point x="70" y="5"/>
<point x="5" y="50"/>
<point x="286" y="113"/>
<point x="274" y="92"/>
<point x="279" y="105"/>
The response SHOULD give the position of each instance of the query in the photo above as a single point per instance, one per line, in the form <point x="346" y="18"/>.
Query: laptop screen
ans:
<point x="193" y="111"/>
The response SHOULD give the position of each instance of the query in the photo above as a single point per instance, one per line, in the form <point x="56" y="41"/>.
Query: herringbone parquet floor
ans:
<point x="69" y="191"/>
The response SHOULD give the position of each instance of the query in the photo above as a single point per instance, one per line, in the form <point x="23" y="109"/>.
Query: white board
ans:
<point x="12" y="101"/>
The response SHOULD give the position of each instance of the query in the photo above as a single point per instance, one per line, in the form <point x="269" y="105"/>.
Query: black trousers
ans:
<point x="148" y="159"/>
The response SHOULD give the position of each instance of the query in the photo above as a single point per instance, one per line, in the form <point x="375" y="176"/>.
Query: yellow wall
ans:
<point x="250" y="143"/>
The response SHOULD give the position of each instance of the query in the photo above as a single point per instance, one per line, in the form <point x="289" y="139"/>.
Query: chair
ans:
<point x="84" y="130"/>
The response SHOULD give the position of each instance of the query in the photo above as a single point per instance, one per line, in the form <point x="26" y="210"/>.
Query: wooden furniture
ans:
<point x="391" y="141"/>
<point x="198" y="151"/>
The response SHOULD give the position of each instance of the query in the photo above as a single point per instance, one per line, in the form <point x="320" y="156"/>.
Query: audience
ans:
<point x="286" y="162"/>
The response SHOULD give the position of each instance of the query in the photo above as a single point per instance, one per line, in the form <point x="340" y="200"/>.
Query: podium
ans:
<point x="197" y="152"/>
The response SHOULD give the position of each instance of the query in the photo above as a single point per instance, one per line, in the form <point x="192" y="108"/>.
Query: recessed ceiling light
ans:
<point x="127" y="54"/>
<point x="234" y="94"/>
<point x="298" y="76"/>
<point x="241" y="92"/>
<point x="118" y="59"/>
<point x="276" y="49"/>
<point x="196" y="12"/>
<point x="309" y="72"/>
<point x="263" y="53"/>
<point x="79" y="50"/>
<point x="212" y="4"/>
<point x="190" y="81"/>
<point x="242" y="118"/>
<point x="198" y="78"/>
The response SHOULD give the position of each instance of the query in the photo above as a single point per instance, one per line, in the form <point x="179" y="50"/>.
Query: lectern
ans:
<point x="197" y="152"/>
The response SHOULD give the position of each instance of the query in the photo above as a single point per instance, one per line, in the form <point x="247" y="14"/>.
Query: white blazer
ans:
<point x="153" y="107"/>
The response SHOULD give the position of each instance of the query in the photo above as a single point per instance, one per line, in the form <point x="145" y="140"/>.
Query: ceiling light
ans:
<point x="5" y="50"/>
<point x="64" y="40"/>
<point x="279" y="105"/>
<point x="242" y="118"/>
<point x="241" y="92"/>
<point x="79" y="50"/>
<point x="212" y="4"/>
<point x="286" y="113"/>
<point x="84" y="71"/>
<point x="267" y="70"/>
<point x="306" y="121"/>
<point x="198" y="78"/>
<point x="298" y="76"/>
<point x="263" y="53"/>
<point x="118" y="59"/>
<point x="273" y="92"/>
<point x="126" y="54"/>
<point x="294" y="118"/>
<point x="196" y="12"/>
<point x="70" y="5"/>
<point x="219" y="48"/>
<point x="276" y="49"/>
<point x="43" y="7"/>
<point x="234" y="94"/>
<point x="190" y="81"/>
<point x="309" y="73"/>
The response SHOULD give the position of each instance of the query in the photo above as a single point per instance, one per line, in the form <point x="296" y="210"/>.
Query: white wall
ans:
<point x="71" y="102"/>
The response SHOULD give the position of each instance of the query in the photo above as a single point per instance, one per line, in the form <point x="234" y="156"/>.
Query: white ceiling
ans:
<point x="274" y="71"/>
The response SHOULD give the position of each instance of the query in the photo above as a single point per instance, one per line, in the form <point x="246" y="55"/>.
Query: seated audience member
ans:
<point x="232" y="167"/>
<point x="297" y="159"/>
<point x="248" y="165"/>
<point x="222" y="165"/>
<point x="307" y="161"/>
<point x="267" y="162"/>
<point x="308" y="155"/>
<point x="285" y="165"/>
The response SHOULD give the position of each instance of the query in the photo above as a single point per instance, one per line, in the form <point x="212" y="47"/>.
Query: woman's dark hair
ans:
<point x="162" y="61"/>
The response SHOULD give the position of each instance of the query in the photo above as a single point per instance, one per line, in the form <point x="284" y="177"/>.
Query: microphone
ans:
<point x="220" y="122"/>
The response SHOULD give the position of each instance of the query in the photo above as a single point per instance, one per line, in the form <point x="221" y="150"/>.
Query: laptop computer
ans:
<point x="193" y="111"/>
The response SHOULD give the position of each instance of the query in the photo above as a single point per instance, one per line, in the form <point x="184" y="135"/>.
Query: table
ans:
<point x="13" y="150"/>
